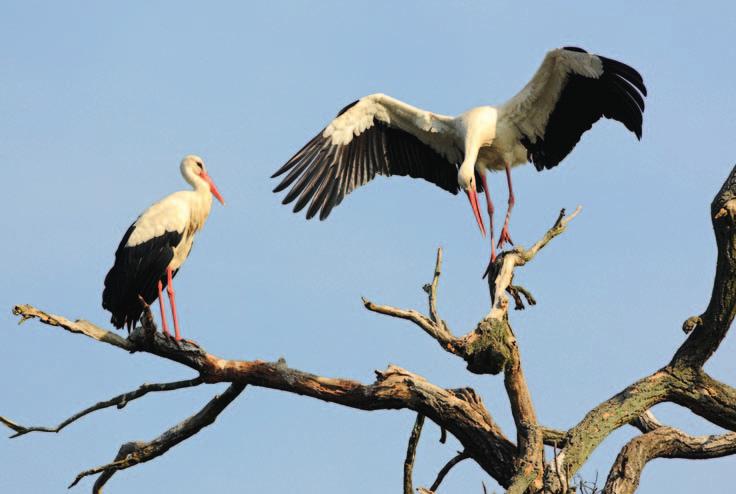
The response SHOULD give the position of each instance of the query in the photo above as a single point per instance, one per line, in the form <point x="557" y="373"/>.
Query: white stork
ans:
<point x="155" y="246"/>
<point x="380" y="135"/>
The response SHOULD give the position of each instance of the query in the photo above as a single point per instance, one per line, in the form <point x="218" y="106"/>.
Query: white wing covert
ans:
<point x="570" y="91"/>
<point x="376" y="135"/>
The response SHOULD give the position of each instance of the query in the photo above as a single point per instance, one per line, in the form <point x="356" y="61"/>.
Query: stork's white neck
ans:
<point x="478" y="125"/>
<point x="201" y="202"/>
<point x="197" y="183"/>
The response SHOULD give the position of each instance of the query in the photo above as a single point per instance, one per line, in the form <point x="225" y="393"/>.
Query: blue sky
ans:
<point x="98" y="104"/>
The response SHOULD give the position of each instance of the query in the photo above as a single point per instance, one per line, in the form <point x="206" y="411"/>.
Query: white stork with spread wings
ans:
<point x="380" y="135"/>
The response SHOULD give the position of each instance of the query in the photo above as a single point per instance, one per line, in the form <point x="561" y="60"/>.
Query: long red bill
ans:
<point x="213" y="187"/>
<point x="473" y="198"/>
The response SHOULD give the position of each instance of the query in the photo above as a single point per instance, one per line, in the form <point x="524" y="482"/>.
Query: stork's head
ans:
<point x="192" y="167"/>
<point x="467" y="182"/>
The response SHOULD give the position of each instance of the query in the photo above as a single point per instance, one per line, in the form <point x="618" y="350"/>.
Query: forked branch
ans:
<point x="133" y="453"/>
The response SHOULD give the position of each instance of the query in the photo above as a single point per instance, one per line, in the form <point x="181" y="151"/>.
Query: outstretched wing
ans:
<point x="570" y="91"/>
<point x="376" y="135"/>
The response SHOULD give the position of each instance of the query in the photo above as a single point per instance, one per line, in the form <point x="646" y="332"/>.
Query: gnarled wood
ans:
<point x="489" y="348"/>
<point x="662" y="442"/>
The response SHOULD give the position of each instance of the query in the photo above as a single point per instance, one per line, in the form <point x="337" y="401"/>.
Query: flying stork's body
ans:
<point x="380" y="135"/>
<point x="154" y="248"/>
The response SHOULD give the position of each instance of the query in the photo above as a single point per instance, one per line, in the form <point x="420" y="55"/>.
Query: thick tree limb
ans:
<point x="411" y="454"/>
<point x="681" y="381"/>
<point x="529" y="436"/>
<point x="708" y="330"/>
<point x="704" y="396"/>
<point x="460" y="411"/>
<point x="136" y="452"/>
<point x="119" y="401"/>
<point x="662" y="442"/>
<point x="621" y="409"/>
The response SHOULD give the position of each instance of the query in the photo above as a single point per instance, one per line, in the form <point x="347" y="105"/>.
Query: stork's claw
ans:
<point x="190" y="342"/>
<point x="504" y="237"/>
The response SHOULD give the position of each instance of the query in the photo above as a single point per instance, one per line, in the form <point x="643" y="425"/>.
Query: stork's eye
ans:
<point x="199" y="165"/>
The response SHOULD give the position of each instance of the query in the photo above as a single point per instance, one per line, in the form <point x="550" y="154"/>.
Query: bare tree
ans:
<point x="518" y="465"/>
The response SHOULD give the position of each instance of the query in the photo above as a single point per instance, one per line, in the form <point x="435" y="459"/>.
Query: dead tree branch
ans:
<point x="446" y="469"/>
<point x="460" y="411"/>
<point x="136" y="452"/>
<point x="502" y="271"/>
<point x="411" y="453"/>
<point x="490" y="348"/>
<point x="119" y="401"/>
<point x="662" y="442"/>
<point x="682" y="381"/>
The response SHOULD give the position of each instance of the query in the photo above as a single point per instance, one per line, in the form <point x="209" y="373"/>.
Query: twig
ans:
<point x="556" y="460"/>
<point x="431" y="289"/>
<point x="439" y="330"/>
<point x="80" y="326"/>
<point x="120" y="401"/>
<point x="433" y="325"/>
<point x="133" y="453"/>
<point x="411" y="452"/>
<point x="516" y="291"/>
<point x="443" y="472"/>
<point x="503" y="269"/>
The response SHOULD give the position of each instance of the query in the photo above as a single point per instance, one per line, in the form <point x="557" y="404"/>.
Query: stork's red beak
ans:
<point x="473" y="198"/>
<point x="213" y="187"/>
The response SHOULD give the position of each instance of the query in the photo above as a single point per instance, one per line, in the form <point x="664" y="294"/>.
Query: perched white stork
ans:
<point x="380" y="135"/>
<point x="155" y="246"/>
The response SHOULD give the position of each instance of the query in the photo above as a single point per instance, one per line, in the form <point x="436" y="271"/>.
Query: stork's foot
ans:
<point x="504" y="237"/>
<point x="188" y="342"/>
<point x="169" y="337"/>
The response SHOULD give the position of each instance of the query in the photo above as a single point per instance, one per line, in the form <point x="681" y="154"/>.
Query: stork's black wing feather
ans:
<point x="137" y="271"/>
<point x="617" y="94"/>
<point x="321" y="174"/>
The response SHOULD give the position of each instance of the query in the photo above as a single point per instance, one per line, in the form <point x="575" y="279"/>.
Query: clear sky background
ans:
<point x="98" y="103"/>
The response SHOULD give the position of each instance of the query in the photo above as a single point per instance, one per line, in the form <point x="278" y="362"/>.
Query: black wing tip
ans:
<point x="622" y="69"/>
<point x="574" y="48"/>
<point x="279" y="187"/>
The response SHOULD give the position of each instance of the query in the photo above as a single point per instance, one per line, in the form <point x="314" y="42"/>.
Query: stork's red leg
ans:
<point x="505" y="237"/>
<point x="490" y="209"/>
<point x="172" y="299"/>
<point x="164" y="327"/>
